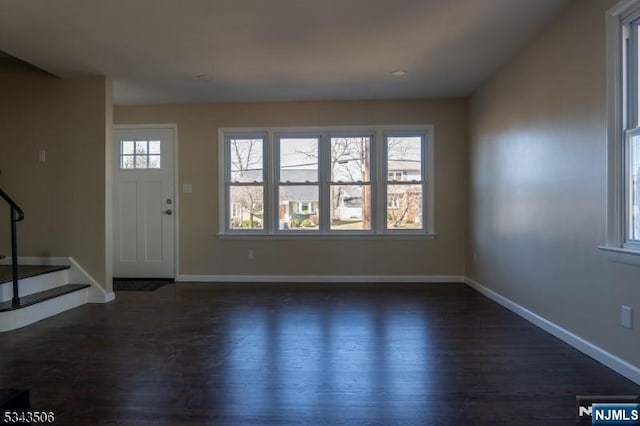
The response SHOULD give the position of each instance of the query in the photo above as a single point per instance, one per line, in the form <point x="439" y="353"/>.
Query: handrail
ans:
<point x="16" y="216"/>
<point x="13" y="205"/>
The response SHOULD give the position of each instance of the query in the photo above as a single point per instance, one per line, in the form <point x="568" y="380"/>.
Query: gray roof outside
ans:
<point x="310" y="192"/>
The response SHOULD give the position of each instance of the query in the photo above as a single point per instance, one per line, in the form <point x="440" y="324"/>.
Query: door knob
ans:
<point x="168" y="211"/>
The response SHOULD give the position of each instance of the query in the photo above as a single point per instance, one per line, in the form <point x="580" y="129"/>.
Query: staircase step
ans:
<point x="28" y="271"/>
<point x="41" y="296"/>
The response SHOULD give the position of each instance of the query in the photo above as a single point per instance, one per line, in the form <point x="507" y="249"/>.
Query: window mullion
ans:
<point x="627" y="216"/>
<point x="380" y="155"/>
<point x="427" y="220"/>
<point x="227" y="184"/>
<point x="270" y="166"/>
<point x="324" y="176"/>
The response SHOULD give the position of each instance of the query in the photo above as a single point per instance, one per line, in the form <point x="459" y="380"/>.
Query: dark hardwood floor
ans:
<point x="437" y="354"/>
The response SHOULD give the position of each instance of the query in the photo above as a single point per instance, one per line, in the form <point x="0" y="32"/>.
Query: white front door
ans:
<point x="143" y="203"/>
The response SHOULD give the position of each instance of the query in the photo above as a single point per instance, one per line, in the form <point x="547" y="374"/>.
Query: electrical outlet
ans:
<point x="626" y="316"/>
<point x="251" y="255"/>
<point x="475" y="258"/>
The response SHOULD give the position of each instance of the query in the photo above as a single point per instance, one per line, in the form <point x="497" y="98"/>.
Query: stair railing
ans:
<point x="16" y="216"/>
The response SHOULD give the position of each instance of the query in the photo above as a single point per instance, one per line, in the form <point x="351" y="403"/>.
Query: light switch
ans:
<point x="42" y="156"/>
<point x="187" y="188"/>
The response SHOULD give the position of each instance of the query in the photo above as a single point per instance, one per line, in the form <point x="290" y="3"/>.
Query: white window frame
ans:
<point x="225" y="178"/>
<point x="274" y="145"/>
<point x="374" y="149"/>
<point x="622" y="124"/>
<point x="378" y="180"/>
<point x="405" y="182"/>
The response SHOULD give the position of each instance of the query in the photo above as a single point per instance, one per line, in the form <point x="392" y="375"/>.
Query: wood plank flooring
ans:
<point x="437" y="354"/>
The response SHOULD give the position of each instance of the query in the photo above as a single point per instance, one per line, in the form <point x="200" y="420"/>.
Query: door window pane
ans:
<point x="135" y="155"/>
<point x="141" y="162"/>
<point x="154" y="161"/>
<point x="127" y="147"/>
<point x="154" y="147"/>
<point x="141" y="147"/>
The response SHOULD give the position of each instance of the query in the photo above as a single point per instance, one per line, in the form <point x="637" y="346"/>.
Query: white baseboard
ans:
<point x="216" y="279"/>
<point x="615" y="363"/>
<point x="97" y="294"/>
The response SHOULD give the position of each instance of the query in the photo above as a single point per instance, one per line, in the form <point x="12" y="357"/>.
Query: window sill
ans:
<point x="342" y="236"/>
<point x="622" y="255"/>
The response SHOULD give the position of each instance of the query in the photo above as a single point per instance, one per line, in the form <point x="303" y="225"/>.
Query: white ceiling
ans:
<point x="256" y="50"/>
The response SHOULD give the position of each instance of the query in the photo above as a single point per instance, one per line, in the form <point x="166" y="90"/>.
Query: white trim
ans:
<point x="622" y="255"/>
<point x="302" y="235"/>
<point x="176" y="183"/>
<point x="97" y="294"/>
<point x="12" y="320"/>
<point x="615" y="363"/>
<point x="320" y="279"/>
<point x="76" y="273"/>
<point x="614" y="164"/>
<point x="622" y="9"/>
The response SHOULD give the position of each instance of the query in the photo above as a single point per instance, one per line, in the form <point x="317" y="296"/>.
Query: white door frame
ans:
<point x="176" y="195"/>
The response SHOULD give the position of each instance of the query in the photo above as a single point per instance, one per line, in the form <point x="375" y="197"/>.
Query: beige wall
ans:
<point x="538" y="181"/>
<point x="63" y="198"/>
<point x="203" y="253"/>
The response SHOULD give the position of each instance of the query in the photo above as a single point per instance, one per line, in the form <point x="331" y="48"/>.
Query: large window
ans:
<point x="630" y="136"/>
<point x="327" y="181"/>
<point x="245" y="182"/>
<point x="623" y="153"/>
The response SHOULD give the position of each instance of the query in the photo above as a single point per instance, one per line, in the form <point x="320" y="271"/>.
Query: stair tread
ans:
<point x="34" y="298"/>
<point x="28" y="271"/>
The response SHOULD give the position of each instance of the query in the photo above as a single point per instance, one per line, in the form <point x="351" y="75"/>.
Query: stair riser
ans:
<point x="12" y="320"/>
<point x="35" y="284"/>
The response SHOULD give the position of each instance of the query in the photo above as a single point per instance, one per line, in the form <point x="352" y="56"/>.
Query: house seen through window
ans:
<point x="325" y="181"/>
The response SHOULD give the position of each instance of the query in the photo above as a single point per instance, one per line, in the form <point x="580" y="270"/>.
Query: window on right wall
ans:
<point x="631" y="132"/>
<point x="623" y="104"/>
